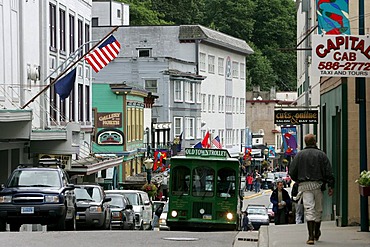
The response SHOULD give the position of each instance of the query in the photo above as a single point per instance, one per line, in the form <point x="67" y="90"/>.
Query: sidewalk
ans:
<point x="296" y="236"/>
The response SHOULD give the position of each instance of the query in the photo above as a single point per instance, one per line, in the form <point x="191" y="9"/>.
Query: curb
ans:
<point x="263" y="236"/>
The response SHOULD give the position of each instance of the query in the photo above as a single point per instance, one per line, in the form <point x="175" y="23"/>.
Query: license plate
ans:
<point x="207" y="217"/>
<point x="27" y="210"/>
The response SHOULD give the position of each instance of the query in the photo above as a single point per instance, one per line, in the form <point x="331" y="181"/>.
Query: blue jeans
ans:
<point x="155" y="222"/>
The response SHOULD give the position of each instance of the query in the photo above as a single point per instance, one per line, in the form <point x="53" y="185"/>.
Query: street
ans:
<point x="117" y="238"/>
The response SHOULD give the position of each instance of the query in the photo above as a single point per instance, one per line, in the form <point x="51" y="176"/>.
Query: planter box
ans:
<point x="364" y="190"/>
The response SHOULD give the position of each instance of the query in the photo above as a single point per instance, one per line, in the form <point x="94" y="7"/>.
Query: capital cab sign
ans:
<point x="341" y="55"/>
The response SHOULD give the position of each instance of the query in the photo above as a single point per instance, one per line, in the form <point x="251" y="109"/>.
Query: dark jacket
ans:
<point x="159" y="210"/>
<point x="274" y="200"/>
<point x="311" y="164"/>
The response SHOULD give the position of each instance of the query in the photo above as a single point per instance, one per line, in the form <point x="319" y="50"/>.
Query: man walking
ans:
<point x="281" y="204"/>
<point x="312" y="169"/>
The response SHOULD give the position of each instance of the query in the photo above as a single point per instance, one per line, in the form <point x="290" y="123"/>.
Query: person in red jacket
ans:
<point x="249" y="180"/>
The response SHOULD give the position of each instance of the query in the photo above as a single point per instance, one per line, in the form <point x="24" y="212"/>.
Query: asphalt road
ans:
<point x="117" y="238"/>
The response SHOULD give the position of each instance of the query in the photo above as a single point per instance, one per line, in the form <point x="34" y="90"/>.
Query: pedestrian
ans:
<point x="282" y="205"/>
<point x="312" y="169"/>
<point x="247" y="225"/>
<point x="249" y="182"/>
<point x="257" y="182"/>
<point x="157" y="215"/>
<point x="297" y="204"/>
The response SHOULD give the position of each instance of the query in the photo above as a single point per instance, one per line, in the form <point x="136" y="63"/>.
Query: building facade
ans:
<point x="339" y="119"/>
<point x="197" y="73"/>
<point x="40" y="40"/>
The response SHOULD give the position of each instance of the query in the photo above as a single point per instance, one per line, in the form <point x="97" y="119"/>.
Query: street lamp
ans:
<point x="148" y="167"/>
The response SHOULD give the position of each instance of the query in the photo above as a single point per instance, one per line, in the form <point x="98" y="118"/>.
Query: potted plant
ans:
<point x="364" y="183"/>
<point x="151" y="189"/>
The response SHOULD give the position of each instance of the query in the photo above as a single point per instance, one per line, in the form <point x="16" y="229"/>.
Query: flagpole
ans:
<point x="69" y="67"/>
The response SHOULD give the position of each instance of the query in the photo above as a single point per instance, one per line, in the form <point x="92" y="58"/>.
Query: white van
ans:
<point x="141" y="205"/>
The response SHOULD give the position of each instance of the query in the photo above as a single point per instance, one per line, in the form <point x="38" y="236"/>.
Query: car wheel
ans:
<point x="14" y="227"/>
<point x="2" y="226"/>
<point x="61" y="223"/>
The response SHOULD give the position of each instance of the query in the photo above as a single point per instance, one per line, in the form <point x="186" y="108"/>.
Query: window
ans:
<point x="87" y="37"/>
<point x="233" y="105"/>
<point x="144" y="52"/>
<point x="80" y="103"/>
<point x="226" y="178"/>
<point x="180" y="180"/>
<point x="198" y="88"/>
<point x="52" y="26"/>
<point x="213" y="103"/>
<point x="189" y="128"/>
<point x="80" y="35"/>
<point x="151" y="85"/>
<point x="62" y="30"/>
<point x="178" y="126"/>
<point x="242" y="71"/>
<point x="211" y="64"/>
<point x="235" y="69"/>
<point x="118" y="13"/>
<point x="178" y="90"/>
<point x="203" y="183"/>
<point x="87" y="102"/>
<point x="204" y="102"/>
<point x="202" y="62"/>
<point x="242" y="105"/>
<point x="199" y="126"/>
<point x="219" y="104"/>
<point x="95" y="21"/>
<point x="221" y="66"/>
<point x="229" y="103"/>
<point x="189" y="92"/>
<point x="53" y="103"/>
<point x="71" y="106"/>
<point x="71" y="34"/>
<point x="237" y="106"/>
<point x="209" y="103"/>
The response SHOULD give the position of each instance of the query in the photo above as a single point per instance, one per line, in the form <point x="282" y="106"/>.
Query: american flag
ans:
<point x="105" y="53"/>
<point x="216" y="142"/>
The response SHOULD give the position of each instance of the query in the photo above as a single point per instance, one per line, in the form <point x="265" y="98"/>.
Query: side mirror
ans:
<point x="69" y="187"/>
<point x="2" y="186"/>
<point x="107" y="199"/>
<point x="129" y="206"/>
<point x="146" y="203"/>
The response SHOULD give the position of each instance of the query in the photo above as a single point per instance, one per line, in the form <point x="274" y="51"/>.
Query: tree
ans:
<point x="275" y="28"/>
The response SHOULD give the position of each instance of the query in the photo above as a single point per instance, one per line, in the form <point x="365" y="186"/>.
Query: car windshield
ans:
<point x="256" y="211"/>
<point x="88" y="194"/>
<point x="35" y="178"/>
<point x="133" y="198"/>
<point x="116" y="201"/>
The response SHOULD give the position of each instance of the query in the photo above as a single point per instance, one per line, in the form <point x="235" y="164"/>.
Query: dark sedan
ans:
<point x="123" y="216"/>
<point x="92" y="207"/>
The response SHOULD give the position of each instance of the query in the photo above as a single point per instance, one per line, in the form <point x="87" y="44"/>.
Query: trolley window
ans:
<point x="226" y="182"/>
<point x="203" y="180"/>
<point x="180" y="180"/>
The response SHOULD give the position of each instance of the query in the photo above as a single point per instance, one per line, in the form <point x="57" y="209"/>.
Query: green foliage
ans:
<point x="364" y="178"/>
<point x="268" y="26"/>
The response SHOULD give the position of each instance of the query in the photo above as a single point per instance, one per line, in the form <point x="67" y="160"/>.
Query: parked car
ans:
<point x="141" y="204"/>
<point x="123" y="215"/>
<point x="163" y="218"/>
<point x="92" y="207"/>
<point x="258" y="215"/>
<point x="271" y="212"/>
<point x="38" y="195"/>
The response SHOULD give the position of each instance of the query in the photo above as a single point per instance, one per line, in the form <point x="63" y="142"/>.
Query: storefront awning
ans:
<point x="92" y="165"/>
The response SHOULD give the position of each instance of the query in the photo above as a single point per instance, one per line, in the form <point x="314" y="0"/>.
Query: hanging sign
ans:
<point x="297" y="117"/>
<point x="341" y="55"/>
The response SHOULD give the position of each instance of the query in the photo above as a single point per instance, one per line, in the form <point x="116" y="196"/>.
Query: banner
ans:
<point x="332" y="17"/>
<point x="341" y="56"/>
<point x="289" y="135"/>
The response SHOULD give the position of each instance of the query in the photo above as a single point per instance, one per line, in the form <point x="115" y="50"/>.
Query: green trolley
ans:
<point x="204" y="190"/>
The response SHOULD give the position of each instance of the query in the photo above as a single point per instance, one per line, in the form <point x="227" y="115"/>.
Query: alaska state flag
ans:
<point x="64" y="86"/>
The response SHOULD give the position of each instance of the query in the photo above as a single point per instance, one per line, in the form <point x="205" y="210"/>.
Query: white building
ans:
<point x="37" y="38"/>
<point x="198" y="74"/>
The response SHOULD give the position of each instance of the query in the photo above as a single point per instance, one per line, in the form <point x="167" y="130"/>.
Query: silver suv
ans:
<point x="141" y="205"/>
